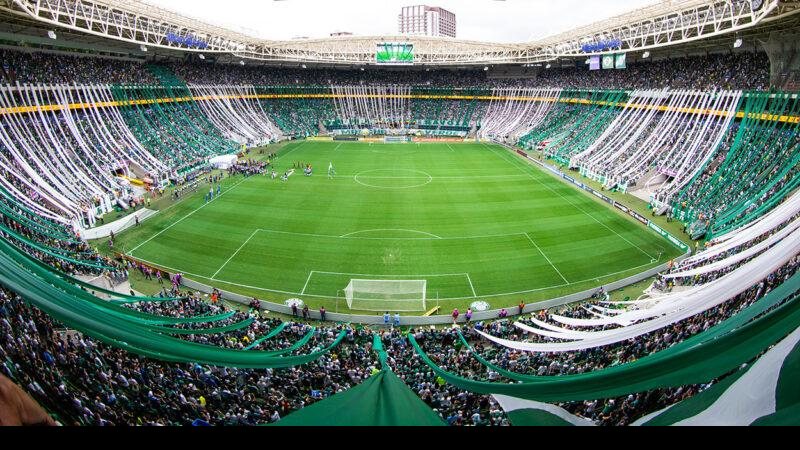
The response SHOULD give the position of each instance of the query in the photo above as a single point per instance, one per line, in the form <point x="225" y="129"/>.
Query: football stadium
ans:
<point x="507" y="219"/>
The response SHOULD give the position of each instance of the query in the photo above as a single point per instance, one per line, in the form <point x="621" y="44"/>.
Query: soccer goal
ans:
<point x="386" y="295"/>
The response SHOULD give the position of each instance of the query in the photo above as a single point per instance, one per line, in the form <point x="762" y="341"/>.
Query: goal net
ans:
<point x="386" y="295"/>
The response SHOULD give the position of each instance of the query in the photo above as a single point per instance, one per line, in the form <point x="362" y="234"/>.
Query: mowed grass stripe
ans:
<point x="569" y="199"/>
<point x="393" y="256"/>
<point x="473" y="192"/>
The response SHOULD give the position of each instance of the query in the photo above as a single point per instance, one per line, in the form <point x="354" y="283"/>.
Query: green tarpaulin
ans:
<point x="381" y="400"/>
<point x="762" y="393"/>
<point x="121" y="327"/>
<point x="698" y="359"/>
<point x="529" y="413"/>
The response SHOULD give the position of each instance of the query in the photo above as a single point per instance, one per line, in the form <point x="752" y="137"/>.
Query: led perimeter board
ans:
<point x="394" y="53"/>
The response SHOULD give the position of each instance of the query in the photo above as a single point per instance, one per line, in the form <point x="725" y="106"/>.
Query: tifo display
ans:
<point x="400" y="230"/>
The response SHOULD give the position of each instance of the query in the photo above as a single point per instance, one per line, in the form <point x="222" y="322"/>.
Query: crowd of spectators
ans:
<point x="751" y="166"/>
<point x="745" y="70"/>
<point x="76" y="154"/>
<point x="741" y="70"/>
<point x="36" y="67"/>
<point x="84" y="381"/>
<point x="617" y="411"/>
<point x="181" y="137"/>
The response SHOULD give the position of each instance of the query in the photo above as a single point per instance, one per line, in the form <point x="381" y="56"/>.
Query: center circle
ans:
<point x="393" y="178"/>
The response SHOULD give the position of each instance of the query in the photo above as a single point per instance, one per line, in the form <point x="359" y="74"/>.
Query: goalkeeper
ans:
<point x="331" y="170"/>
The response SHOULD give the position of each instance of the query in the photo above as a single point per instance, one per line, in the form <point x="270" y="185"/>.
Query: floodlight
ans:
<point x="202" y="56"/>
<point x="485" y="68"/>
<point x="737" y="43"/>
<point x="241" y="62"/>
<point x="143" y="48"/>
<point x="51" y="34"/>
<point x="645" y="55"/>
<point x="547" y="66"/>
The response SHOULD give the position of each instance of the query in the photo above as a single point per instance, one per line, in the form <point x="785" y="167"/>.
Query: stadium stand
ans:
<point x="704" y="139"/>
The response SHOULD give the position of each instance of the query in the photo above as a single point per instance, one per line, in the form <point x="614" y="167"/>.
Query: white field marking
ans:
<point x="419" y="177"/>
<point x="187" y="215"/>
<point x="408" y="151"/>
<point x="474" y="295"/>
<point x="307" y="280"/>
<point x="392" y="229"/>
<point x="451" y="148"/>
<point x="393" y="276"/>
<point x="277" y="291"/>
<point x="499" y="177"/>
<point x="296" y="147"/>
<point x="337" y="146"/>
<point x="548" y="259"/>
<point x="425" y="176"/>
<point x="177" y="203"/>
<point x="235" y="253"/>
<point x="576" y="206"/>
<point x="346" y="236"/>
<point x="392" y="187"/>
<point x="373" y="276"/>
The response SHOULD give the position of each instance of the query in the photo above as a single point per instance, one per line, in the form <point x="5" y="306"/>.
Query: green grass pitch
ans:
<point x="474" y="220"/>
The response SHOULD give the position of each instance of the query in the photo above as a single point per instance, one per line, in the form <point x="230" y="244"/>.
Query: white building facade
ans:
<point x="422" y="20"/>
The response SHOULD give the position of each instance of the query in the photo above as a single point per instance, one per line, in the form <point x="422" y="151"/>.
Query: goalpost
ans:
<point x="386" y="295"/>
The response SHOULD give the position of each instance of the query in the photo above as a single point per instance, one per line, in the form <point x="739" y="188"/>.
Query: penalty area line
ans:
<point x="548" y="259"/>
<point x="234" y="253"/>
<point x="474" y="295"/>
<point x="307" y="280"/>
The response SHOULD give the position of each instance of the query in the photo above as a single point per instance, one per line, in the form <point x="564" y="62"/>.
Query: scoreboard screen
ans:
<point x="394" y="53"/>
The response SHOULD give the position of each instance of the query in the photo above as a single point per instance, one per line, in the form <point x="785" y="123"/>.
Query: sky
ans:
<point x="484" y="20"/>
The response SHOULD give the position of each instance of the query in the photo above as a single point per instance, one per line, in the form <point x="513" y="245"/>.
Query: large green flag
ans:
<point x="381" y="400"/>
<point x="766" y="392"/>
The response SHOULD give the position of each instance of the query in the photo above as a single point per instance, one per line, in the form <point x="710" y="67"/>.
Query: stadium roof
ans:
<point x="672" y="23"/>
